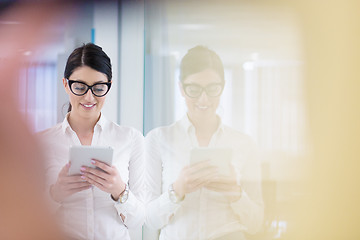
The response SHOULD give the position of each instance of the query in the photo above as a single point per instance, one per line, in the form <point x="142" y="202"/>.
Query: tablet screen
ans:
<point x="82" y="155"/>
<point x="219" y="157"/>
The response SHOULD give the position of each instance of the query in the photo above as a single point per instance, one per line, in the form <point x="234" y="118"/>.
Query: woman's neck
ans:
<point x="81" y="125"/>
<point x="205" y="128"/>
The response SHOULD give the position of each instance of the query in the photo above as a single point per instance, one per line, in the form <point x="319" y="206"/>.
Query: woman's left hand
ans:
<point x="226" y="185"/>
<point x="108" y="180"/>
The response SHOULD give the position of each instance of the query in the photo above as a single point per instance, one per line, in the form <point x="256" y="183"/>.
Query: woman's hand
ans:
<point x="194" y="177"/>
<point x="226" y="185"/>
<point x="107" y="179"/>
<point x="67" y="185"/>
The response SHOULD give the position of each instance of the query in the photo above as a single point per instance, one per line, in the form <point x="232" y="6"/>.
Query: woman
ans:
<point x="100" y="203"/>
<point x="194" y="200"/>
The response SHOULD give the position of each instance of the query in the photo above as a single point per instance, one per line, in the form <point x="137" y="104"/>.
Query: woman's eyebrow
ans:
<point x="100" y="81"/>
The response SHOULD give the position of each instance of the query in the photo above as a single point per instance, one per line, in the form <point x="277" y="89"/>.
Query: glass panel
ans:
<point x="261" y="50"/>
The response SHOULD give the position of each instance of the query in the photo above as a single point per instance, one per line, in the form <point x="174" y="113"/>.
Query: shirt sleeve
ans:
<point x="159" y="207"/>
<point x="133" y="209"/>
<point x="250" y="207"/>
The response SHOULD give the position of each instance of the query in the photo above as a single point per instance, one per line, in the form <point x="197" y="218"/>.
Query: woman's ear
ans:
<point x="181" y="89"/>
<point x="65" y="83"/>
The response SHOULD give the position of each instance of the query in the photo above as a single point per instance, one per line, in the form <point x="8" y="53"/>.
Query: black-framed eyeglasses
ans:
<point x="80" y="88"/>
<point x="195" y="90"/>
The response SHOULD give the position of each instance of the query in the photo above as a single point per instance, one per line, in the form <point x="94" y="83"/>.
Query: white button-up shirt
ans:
<point x="92" y="214"/>
<point x="203" y="214"/>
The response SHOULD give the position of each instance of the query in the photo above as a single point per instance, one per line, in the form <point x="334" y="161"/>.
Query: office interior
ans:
<point x="291" y="84"/>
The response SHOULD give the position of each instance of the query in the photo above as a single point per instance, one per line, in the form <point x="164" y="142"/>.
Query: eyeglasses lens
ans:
<point x="98" y="90"/>
<point x="211" y="90"/>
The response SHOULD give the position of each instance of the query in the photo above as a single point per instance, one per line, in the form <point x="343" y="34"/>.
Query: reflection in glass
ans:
<point x="203" y="176"/>
<point x="261" y="49"/>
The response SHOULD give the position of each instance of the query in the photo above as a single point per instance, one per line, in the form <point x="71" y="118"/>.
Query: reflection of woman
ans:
<point x="193" y="201"/>
<point x="98" y="204"/>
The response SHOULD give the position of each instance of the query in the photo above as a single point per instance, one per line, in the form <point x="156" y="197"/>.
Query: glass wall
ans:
<point x="260" y="45"/>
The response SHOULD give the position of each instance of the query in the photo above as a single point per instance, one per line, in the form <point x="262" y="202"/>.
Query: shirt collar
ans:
<point x="65" y="124"/>
<point x="187" y="124"/>
<point x="101" y="123"/>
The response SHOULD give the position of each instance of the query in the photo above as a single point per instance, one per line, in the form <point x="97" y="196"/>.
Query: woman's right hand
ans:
<point x="67" y="185"/>
<point x="194" y="177"/>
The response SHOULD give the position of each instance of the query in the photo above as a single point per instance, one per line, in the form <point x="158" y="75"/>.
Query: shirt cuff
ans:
<point x="250" y="213"/>
<point x="166" y="207"/>
<point x="238" y="205"/>
<point x="130" y="209"/>
<point x="160" y="210"/>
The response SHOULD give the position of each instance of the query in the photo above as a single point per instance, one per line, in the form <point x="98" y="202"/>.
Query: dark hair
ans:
<point x="198" y="59"/>
<point x="89" y="55"/>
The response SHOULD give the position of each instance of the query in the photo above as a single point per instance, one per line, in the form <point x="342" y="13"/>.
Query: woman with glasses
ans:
<point x="203" y="178"/>
<point x="102" y="202"/>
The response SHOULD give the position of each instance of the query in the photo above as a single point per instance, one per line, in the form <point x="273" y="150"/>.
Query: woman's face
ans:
<point x="88" y="105"/>
<point x="203" y="106"/>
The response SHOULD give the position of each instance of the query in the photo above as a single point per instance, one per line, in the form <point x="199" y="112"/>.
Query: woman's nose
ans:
<point x="89" y="96"/>
<point x="203" y="97"/>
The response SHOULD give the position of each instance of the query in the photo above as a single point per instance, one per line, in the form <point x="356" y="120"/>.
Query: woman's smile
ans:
<point x="88" y="106"/>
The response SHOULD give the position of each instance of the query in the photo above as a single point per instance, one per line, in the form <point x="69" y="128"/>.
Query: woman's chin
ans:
<point x="203" y="113"/>
<point x="89" y="113"/>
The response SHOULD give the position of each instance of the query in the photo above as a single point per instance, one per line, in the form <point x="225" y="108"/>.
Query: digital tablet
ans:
<point x="82" y="156"/>
<point x="219" y="157"/>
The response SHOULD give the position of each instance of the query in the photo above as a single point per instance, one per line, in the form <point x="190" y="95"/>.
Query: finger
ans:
<point x="96" y="184"/>
<point x="197" y="185"/>
<point x="94" y="179"/>
<point x="224" y="179"/>
<point x="75" y="190"/>
<point x="33" y="26"/>
<point x="222" y="187"/>
<point x="231" y="194"/>
<point x="31" y="19"/>
<point x="217" y="187"/>
<point x="96" y="172"/>
<point x="72" y="179"/>
<point x="201" y="168"/>
<point x="203" y="173"/>
<point x="199" y="176"/>
<point x="102" y="165"/>
<point x="65" y="169"/>
<point x="77" y="185"/>
<point x="204" y="179"/>
<point x="200" y="182"/>
<point x="200" y="164"/>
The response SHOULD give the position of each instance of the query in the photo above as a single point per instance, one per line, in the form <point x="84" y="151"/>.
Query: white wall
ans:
<point x="77" y="32"/>
<point x="106" y="27"/>
<point x="132" y="64"/>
